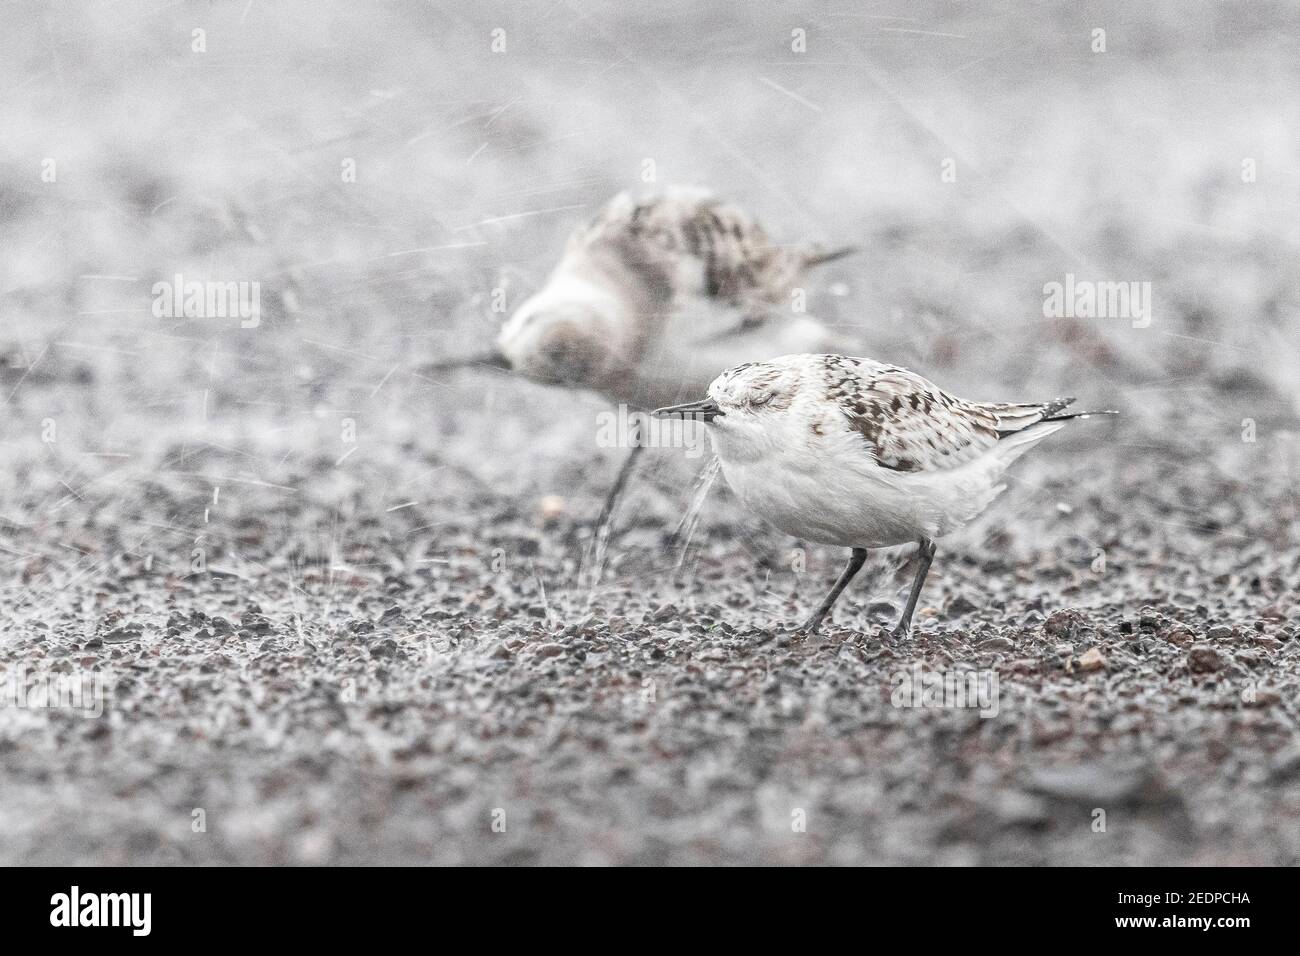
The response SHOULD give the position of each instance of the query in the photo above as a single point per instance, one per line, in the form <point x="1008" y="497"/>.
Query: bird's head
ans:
<point x="559" y="343"/>
<point x="748" y="407"/>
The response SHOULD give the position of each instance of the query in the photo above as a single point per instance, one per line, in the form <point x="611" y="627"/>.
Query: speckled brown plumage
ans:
<point x="686" y="241"/>
<point x="908" y="423"/>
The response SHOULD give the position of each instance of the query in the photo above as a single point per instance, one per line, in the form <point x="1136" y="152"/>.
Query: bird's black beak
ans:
<point x="702" y="411"/>
<point x="490" y="360"/>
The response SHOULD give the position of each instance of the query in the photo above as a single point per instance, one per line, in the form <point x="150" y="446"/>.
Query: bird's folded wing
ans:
<point x="912" y="425"/>
<point x="688" y="242"/>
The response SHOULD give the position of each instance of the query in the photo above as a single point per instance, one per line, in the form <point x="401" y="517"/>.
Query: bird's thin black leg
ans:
<point x="624" y="473"/>
<point x="856" y="560"/>
<point x="924" y="556"/>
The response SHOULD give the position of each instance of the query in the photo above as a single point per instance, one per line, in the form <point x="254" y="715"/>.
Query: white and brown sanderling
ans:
<point x="608" y="318"/>
<point x="847" y="451"/>
<point x="602" y="313"/>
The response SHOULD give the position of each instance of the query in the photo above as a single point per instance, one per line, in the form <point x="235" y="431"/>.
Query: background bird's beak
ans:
<point x="704" y="411"/>
<point x="487" y="360"/>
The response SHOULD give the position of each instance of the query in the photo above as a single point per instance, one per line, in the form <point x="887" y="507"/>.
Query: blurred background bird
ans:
<point x="651" y="297"/>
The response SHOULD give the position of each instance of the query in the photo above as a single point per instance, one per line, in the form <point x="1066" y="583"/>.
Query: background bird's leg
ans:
<point x="624" y="473"/>
<point x="924" y="555"/>
<point x="856" y="560"/>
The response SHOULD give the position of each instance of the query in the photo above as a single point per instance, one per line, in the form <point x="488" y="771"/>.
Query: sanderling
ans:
<point x="607" y="303"/>
<point x="609" y="316"/>
<point x="847" y="451"/>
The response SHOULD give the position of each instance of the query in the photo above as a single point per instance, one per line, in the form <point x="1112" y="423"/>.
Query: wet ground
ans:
<point x="381" y="657"/>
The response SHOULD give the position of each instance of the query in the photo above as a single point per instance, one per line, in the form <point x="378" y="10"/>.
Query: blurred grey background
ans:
<point x="472" y="166"/>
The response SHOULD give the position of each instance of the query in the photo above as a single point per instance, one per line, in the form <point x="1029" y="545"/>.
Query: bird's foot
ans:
<point x="811" y="626"/>
<point x="900" y="632"/>
<point x="797" y="636"/>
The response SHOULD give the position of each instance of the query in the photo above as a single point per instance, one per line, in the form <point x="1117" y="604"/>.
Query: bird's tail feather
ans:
<point x="1013" y="445"/>
<point x="1084" y="414"/>
<point x="1015" y="418"/>
<point x="1049" y="409"/>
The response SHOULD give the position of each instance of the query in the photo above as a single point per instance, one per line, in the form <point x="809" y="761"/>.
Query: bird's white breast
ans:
<point x="826" y="488"/>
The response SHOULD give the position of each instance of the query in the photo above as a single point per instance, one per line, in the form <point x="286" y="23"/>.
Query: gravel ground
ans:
<point x="354" y="679"/>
